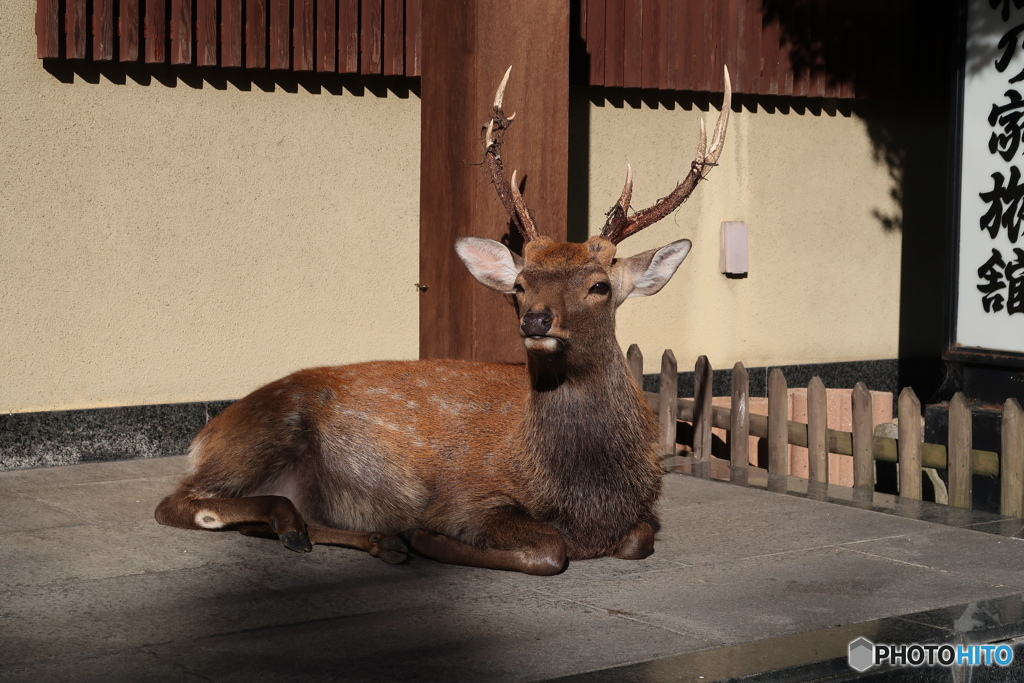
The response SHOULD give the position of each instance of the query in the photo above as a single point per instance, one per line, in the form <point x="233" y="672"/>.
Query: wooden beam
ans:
<point x="128" y="30"/>
<point x="181" y="32"/>
<point x="348" y="36"/>
<point x="303" y="38"/>
<point x="467" y="46"/>
<point x="103" y="30"/>
<point x="155" y="32"/>
<point x="255" y="34"/>
<point x="280" y="34"/>
<point x="206" y="32"/>
<point x="75" y="28"/>
<point x="413" y="35"/>
<point x="47" y="29"/>
<point x="231" y="33"/>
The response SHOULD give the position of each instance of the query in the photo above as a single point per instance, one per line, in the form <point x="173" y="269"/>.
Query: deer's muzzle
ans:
<point x="536" y="323"/>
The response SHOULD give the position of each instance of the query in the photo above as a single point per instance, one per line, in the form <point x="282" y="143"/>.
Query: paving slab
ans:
<point x="91" y="587"/>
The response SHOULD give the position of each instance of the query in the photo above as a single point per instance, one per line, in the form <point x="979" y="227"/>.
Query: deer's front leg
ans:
<point x="638" y="543"/>
<point x="277" y="512"/>
<point x="516" y="542"/>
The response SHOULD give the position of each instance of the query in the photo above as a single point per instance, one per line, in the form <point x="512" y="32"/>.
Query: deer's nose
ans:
<point x="536" y="323"/>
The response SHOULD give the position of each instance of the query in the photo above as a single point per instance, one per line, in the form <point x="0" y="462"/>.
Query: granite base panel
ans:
<point x="68" y="437"/>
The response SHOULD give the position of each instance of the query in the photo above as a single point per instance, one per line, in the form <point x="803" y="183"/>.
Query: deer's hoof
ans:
<point x="297" y="541"/>
<point x="391" y="549"/>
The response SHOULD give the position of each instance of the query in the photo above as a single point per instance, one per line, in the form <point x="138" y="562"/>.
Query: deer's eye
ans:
<point x="518" y="288"/>
<point x="601" y="288"/>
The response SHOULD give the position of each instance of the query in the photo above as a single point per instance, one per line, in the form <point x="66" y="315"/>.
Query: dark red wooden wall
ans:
<point x="343" y="36"/>
<point x="804" y="48"/>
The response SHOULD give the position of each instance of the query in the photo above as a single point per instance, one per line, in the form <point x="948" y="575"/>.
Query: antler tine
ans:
<point x="499" y="95"/>
<point x="526" y="225"/>
<point x="718" y="140"/>
<point x="508" y="191"/>
<point x="618" y="213"/>
<point x="619" y="226"/>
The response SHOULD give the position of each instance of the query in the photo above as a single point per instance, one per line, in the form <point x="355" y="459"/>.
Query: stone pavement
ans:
<point x="744" y="582"/>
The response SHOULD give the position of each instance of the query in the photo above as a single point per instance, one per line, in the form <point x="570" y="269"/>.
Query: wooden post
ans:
<point x="863" y="457"/>
<point x="467" y="46"/>
<point x="778" y="417"/>
<point x="959" y="459"/>
<point x="1011" y="465"/>
<point x="635" y="360"/>
<point x="668" y="404"/>
<point x="817" y="431"/>
<point x="702" y="409"/>
<point x="739" y="418"/>
<point x="909" y="447"/>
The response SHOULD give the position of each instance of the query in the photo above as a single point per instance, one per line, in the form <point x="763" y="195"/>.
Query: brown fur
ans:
<point x="531" y="465"/>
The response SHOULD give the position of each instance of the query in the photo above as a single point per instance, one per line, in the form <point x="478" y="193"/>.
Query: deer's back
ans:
<point x="380" y="446"/>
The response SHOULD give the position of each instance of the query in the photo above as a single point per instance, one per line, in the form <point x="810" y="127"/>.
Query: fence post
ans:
<point x="635" y="361"/>
<point x="958" y="463"/>
<point x="1011" y="464"/>
<point x="702" y="409"/>
<point x="909" y="445"/>
<point x="863" y="457"/>
<point x="778" y="417"/>
<point x="739" y="418"/>
<point x="668" y="402"/>
<point x="817" y="431"/>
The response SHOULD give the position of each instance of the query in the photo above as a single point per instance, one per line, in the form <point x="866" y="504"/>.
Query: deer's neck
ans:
<point x="590" y="464"/>
<point x="591" y="413"/>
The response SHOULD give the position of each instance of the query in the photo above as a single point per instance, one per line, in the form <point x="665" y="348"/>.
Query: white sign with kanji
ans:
<point x="990" y="298"/>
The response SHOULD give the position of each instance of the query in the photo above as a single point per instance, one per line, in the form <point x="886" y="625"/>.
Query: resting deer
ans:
<point x="468" y="463"/>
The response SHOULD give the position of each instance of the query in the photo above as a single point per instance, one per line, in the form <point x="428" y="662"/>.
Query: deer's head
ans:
<point x="566" y="293"/>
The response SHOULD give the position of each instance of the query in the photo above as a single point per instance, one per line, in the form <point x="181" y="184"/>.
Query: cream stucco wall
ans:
<point x="824" y="273"/>
<point x="164" y="244"/>
<point x="167" y="244"/>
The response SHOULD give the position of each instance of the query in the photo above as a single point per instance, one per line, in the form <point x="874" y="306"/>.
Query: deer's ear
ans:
<point x="646" y="273"/>
<point x="490" y="262"/>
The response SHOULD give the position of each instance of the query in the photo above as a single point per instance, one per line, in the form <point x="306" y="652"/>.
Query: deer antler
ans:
<point x="508" y="192"/>
<point x="619" y="225"/>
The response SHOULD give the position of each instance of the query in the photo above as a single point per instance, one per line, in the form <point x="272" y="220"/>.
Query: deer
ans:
<point x="498" y="466"/>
